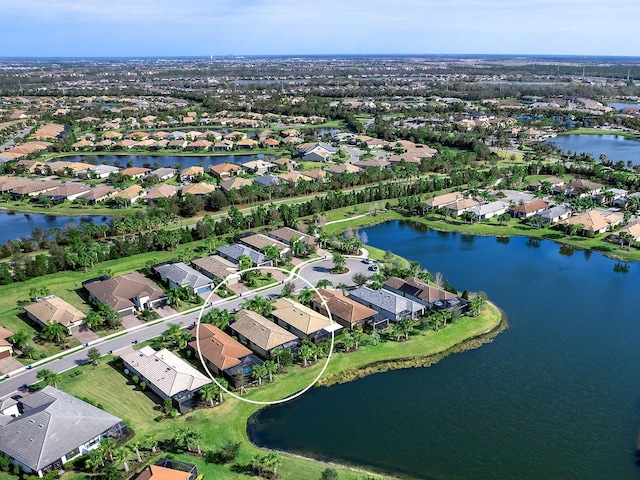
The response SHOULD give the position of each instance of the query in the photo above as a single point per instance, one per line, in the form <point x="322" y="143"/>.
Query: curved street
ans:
<point x="312" y="270"/>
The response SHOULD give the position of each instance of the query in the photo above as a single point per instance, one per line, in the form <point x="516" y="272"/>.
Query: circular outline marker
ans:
<point x="290" y="397"/>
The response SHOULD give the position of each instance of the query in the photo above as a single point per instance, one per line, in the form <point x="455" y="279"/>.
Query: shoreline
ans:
<point x="379" y="366"/>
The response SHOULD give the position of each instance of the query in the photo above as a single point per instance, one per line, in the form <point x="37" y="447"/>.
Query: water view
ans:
<point x="20" y="225"/>
<point x="616" y="147"/>
<point x="623" y="106"/>
<point x="556" y="396"/>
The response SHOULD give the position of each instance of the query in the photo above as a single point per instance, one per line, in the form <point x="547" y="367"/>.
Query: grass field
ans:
<point x="104" y="384"/>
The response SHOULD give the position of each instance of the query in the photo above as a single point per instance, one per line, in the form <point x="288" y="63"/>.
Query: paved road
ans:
<point x="312" y="272"/>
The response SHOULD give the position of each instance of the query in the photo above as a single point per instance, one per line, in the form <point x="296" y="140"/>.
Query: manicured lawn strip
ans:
<point x="599" y="131"/>
<point x="107" y="386"/>
<point x="67" y="209"/>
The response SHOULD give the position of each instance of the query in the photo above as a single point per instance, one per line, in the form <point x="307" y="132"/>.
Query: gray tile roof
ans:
<point x="385" y="300"/>
<point x="235" y="251"/>
<point x="216" y="266"/>
<point x="53" y="424"/>
<point x="182" y="274"/>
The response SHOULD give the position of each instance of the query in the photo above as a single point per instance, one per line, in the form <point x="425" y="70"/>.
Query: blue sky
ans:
<point x="254" y="27"/>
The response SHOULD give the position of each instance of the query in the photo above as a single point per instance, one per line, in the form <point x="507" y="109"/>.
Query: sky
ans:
<point x="105" y="28"/>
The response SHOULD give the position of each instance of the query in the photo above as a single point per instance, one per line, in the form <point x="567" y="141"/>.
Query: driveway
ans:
<point x="130" y="321"/>
<point x="317" y="271"/>
<point x="9" y="365"/>
<point x="83" y="334"/>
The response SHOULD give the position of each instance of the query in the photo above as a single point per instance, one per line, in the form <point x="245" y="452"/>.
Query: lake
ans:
<point x="616" y="147"/>
<point x="20" y="225"/>
<point x="556" y="396"/>
<point x="165" y="160"/>
<point x="623" y="106"/>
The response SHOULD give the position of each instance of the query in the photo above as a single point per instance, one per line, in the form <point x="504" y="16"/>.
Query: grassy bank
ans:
<point x="599" y="131"/>
<point x="104" y="384"/>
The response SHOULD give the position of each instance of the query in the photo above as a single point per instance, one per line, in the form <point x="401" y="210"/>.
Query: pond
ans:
<point x="623" y="106"/>
<point x="556" y="396"/>
<point x="20" y="225"/>
<point x="616" y="147"/>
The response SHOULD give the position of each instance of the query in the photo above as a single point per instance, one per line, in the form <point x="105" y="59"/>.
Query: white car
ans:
<point x="367" y="261"/>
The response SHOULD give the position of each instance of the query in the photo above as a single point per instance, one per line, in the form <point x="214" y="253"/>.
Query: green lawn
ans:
<point x="599" y="131"/>
<point x="107" y="386"/>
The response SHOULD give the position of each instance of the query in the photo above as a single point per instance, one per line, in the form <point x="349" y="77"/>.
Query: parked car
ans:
<point x="367" y="260"/>
<point x="373" y="268"/>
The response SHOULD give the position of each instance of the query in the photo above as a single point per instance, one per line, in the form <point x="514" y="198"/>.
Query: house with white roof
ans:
<point x="166" y="374"/>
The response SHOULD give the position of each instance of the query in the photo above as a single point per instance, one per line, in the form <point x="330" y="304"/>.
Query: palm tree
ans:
<point x="107" y="446"/>
<point x="477" y="303"/>
<point x="93" y="355"/>
<point x="121" y="455"/>
<point x="152" y="441"/>
<point x="135" y="446"/>
<point x="94" y="460"/>
<point x="208" y="392"/>
<point x="194" y="437"/>
<point x="20" y="339"/>
<point x="272" y="253"/>
<point x="338" y="262"/>
<point x="406" y="324"/>
<point x="225" y="386"/>
<point x="324" y="283"/>
<point x="49" y="377"/>
<point x="217" y="317"/>
<point x="277" y="353"/>
<point x="375" y="337"/>
<point x="343" y="287"/>
<point x="174" y="297"/>
<point x="626" y="237"/>
<point x="258" y="372"/>
<point x="55" y="332"/>
<point x="305" y="352"/>
<point x="306" y="296"/>
<point x="258" y="304"/>
<point x="271" y="369"/>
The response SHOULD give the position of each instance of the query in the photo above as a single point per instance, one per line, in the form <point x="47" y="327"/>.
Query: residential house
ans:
<point x="317" y="175"/>
<point x="52" y="428"/>
<point x="457" y="208"/>
<point x="223" y="146"/>
<point x="167" y="375"/>
<point x="101" y="171"/>
<point x="633" y="230"/>
<point x="268" y="180"/>
<point x="262" y="335"/>
<point x="53" y="309"/>
<point x="292" y="178"/>
<point x="286" y="164"/>
<point x="444" y="200"/>
<point x="33" y="188"/>
<point x="489" y="210"/>
<point x="200" y="144"/>
<point x="286" y="234"/>
<point x="130" y="194"/>
<point x="189" y="174"/>
<point x="68" y="191"/>
<point x="178" y="275"/>
<point x="344" y="310"/>
<point x="302" y="321"/>
<point x="217" y="268"/>
<point x="135" y="172"/>
<point x="6" y="347"/>
<point x="247" y="144"/>
<point x="235" y="251"/>
<point x="392" y="305"/>
<point x="343" y="168"/>
<point x="235" y="183"/>
<point x="551" y="181"/>
<point x="315" y="152"/>
<point x="127" y="294"/>
<point x="555" y="214"/>
<point x="595" y="221"/>
<point x="164" y="173"/>
<point x="161" y="191"/>
<point x="579" y="188"/>
<point x="258" y="167"/>
<point x="259" y="242"/>
<point x="225" y="170"/>
<point x="420" y="291"/>
<point x="529" y="209"/>
<point x="99" y="194"/>
<point x="222" y="354"/>
<point x="197" y="189"/>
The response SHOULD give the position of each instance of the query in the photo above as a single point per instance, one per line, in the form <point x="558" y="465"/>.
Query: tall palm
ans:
<point x="121" y="455"/>
<point x="258" y="372"/>
<point x="208" y="392"/>
<point x="271" y="369"/>
<point x="306" y="296"/>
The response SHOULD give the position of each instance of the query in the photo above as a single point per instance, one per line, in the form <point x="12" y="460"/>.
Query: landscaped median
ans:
<point x="228" y="421"/>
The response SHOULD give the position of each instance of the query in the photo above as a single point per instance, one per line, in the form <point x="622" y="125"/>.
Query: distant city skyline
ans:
<point x="120" y="28"/>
